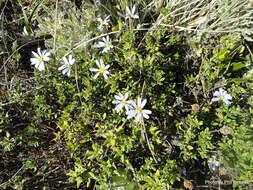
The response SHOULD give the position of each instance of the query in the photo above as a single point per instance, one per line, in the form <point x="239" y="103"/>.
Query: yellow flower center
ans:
<point x="226" y="130"/>
<point x="138" y="110"/>
<point x="107" y="44"/>
<point x="68" y="65"/>
<point x="132" y="15"/>
<point x="222" y="97"/>
<point x="41" y="59"/>
<point x="214" y="161"/>
<point x="101" y="22"/>
<point x="101" y="70"/>
<point x="123" y="101"/>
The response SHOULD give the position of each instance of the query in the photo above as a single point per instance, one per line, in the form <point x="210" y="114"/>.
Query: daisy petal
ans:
<point x="215" y="99"/>
<point x="226" y="101"/>
<point x="101" y="44"/>
<point x="131" y="102"/>
<point x="120" y="95"/>
<point x="94" y="70"/>
<point x="100" y="27"/>
<point x="138" y="117"/>
<point x="117" y="97"/>
<point x="119" y="107"/>
<point x="35" y="54"/>
<point x="146" y="116"/>
<point x="104" y="40"/>
<point x="106" y="72"/>
<point x="62" y="67"/>
<point x="116" y="102"/>
<point x="128" y="10"/>
<point x="37" y="65"/>
<point x="133" y="10"/>
<point x="96" y="76"/>
<point x="41" y="66"/>
<point x="65" y="60"/>
<point x="107" y="67"/>
<point x="139" y="102"/>
<point x="143" y="103"/>
<point x="221" y="91"/>
<point x="217" y="93"/>
<point x="71" y="61"/>
<point x="102" y="63"/>
<point x="39" y="52"/>
<point x="46" y="58"/>
<point x="68" y="73"/>
<point x="34" y="61"/>
<point x="126" y="96"/>
<point x="131" y="114"/>
<point x="147" y="111"/>
<point x="228" y="96"/>
<point x="127" y="107"/>
<point x="47" y="54"/>
<point x="98" y="64"/>
<point x="105" y="76"/>
<point x="43" y="52"/>
<point x="64" y="71"/>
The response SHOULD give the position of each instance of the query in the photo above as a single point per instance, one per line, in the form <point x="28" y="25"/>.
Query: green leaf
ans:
<point x="152" y="129"/>
<point x="237" y="66"/>
<point x="119" y="180"/>
<point x="79" y="180"/>
<point x="239" y="80"/>
<point x="165" y="11"/>
<point x="189" y="147"/>
<point x="131" y="186"/>
<point x="223" y="54"/>
<point x="104" y="116"/>
<point x="120" y="25"/>
<point x="30" y="165"/>
<point x="14" y="45"/>
<point x="92" y="175"/>
<point x="34" y="10"/>
<point x="27" y="23"/>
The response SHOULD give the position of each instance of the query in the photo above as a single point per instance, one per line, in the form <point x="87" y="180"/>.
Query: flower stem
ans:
<point x="145" y="135"/>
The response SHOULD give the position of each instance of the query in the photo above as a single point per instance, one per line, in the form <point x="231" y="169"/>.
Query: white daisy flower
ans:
<point x="103" y="22"/>
<point x="225" y="130"/>
<point x="222" y="95"/>
<point x="130" y="14"/>
<point x="122" y="102"/>
<point x="40" y="58"/>
<point x="67" y="65"/>
<point x="101" y="69"/>
<point x="138" y="111"/>
<point x="106" y="44"/>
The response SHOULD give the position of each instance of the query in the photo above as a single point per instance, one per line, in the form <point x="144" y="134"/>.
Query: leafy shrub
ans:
<point x="177" y="72"/>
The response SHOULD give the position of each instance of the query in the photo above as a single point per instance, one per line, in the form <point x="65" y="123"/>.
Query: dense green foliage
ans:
<point x="176" y="68"/>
